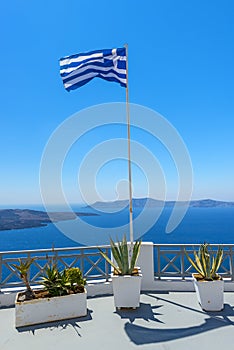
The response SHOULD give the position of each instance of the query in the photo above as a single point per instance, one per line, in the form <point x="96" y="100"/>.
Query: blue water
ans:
<point x="212" y="225"/>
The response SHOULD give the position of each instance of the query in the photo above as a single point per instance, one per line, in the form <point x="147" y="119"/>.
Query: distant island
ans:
<point x="153" y="203"/>
<point x="25" y="218"/>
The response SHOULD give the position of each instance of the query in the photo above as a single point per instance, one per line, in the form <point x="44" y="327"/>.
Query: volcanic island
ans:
<point x="11" y="219"/>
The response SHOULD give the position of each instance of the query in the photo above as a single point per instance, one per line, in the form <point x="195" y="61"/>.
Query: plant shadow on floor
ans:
<point x="144" y="312"/>
<point x="62" y="324"/>
<point x="140" y="335"/>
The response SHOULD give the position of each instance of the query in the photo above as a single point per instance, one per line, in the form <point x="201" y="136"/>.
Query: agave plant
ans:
<point x="23" y="269"/>
<point x="206" y="263"/>
<point x="53" y="281"/>
<point x="125" y="261"/>
<point x="68" y="281"/>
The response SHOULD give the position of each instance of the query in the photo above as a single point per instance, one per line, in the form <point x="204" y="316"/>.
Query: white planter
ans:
<point x="210" y="294"/>
<point x="126" y="290"/>
<point x="43" y="310"/>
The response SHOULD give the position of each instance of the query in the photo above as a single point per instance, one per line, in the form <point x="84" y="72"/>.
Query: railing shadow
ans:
<point x="62" y="324"/>
<point x="140" y="335"/>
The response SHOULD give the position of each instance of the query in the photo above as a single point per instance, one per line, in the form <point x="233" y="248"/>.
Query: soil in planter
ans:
<point x="39" y="294"/>
<point x="199" y="278"/>
<point x="135" y="272"/>
<point x="23" y="296"/>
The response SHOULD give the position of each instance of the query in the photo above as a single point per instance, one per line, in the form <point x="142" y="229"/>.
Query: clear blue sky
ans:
<point x="181" y="56"/>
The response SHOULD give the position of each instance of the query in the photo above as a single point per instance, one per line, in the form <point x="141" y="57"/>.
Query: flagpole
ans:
<point x="129" y="152"/>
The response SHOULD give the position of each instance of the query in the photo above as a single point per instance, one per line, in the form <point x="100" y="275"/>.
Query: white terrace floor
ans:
<point x="168" y="321"/>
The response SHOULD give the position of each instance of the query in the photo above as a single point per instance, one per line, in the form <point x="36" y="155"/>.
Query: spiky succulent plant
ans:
<point x="125" y="262"/>
<point x="23" y="268"/>
<point x="206" y="263"/>
<point x="58" y="283"/>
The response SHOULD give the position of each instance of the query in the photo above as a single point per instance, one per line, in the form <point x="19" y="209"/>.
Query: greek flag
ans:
<point x="78" y="70"/>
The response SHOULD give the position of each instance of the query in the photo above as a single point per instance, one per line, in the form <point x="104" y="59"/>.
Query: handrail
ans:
<point x="88" y="259"/>
<point x="170" y="261"/>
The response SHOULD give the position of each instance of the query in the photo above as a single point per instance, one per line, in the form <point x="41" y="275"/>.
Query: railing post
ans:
<point x="231" y="262"/>
<point x="82" y="261"/>
<point x="29" y="271"/>
<point x="159" y="261"/>
<point x="0" y="271"/>
<point x="106" y="267"/>
<point x="182" y="271"/>
<point x="146" y="263"/>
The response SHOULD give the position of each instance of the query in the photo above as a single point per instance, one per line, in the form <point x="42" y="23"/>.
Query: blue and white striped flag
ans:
<point x="110" y="64"/>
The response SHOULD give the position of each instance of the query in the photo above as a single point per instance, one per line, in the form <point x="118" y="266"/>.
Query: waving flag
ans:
<point x="78" y="70"/>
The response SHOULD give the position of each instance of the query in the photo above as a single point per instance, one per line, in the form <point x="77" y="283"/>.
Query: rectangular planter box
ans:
<point x="126" y="290"/>
<point x="210" y="294"/>
<point x="43" y="310"/>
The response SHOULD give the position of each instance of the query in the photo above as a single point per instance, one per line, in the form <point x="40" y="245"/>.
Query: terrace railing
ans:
<point x="170" y="261"/>
<point x="88" y="259"/>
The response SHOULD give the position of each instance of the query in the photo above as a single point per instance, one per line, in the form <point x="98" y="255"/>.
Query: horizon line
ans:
<point x="112" y="201"/>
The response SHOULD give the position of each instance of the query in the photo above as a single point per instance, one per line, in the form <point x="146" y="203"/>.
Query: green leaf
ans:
<point x="196" y="266"/>
<point x="205" y="263"/>
<point x="120" y="251"/>
<point x="109" y="261"/>
<point x="135" y="254"/>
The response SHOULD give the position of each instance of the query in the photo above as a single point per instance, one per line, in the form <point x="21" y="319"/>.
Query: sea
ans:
<point x="199" y="225"/>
